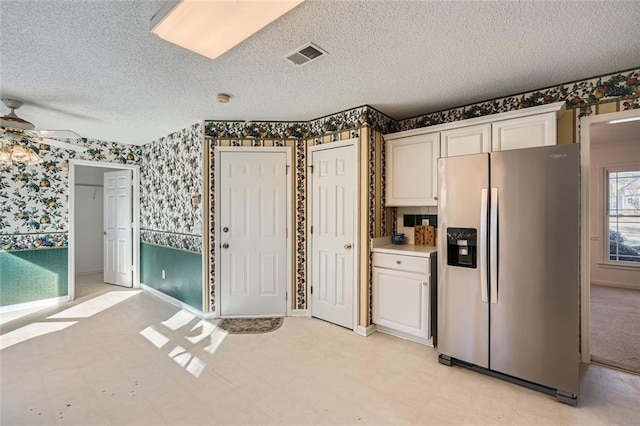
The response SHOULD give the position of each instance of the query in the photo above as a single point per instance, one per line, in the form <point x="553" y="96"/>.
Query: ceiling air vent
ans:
<point x="305" y="54"/>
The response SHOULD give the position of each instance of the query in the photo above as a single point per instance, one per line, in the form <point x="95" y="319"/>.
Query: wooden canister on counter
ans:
<point x="424" y="235"/>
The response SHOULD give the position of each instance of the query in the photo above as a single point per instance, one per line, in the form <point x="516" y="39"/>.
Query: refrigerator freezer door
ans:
<point x="534" y="322"/>
<point x="463" y="318"/>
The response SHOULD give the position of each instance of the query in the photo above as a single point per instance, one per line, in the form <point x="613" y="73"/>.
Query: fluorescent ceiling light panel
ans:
<point x="212" y="27"/>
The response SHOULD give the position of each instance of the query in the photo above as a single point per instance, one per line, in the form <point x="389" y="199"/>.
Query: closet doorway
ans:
<point x="103" y="227"/>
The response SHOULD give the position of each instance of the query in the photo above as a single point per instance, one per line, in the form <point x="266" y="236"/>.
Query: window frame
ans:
<point x="606" y="260"/>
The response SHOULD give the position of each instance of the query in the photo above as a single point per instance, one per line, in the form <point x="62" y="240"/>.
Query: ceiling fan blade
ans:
<point x="57" y="134"/>
<point x="63" y="145"/>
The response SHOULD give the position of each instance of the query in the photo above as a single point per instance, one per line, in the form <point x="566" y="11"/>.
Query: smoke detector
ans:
<point x="305" y="54"/>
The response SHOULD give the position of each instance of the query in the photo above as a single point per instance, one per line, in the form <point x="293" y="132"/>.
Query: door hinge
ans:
<point x="311" y="167"/>
<point x="286" y="233"/>
<point x="287" y="172"/>
<point x="311" y="289"/>
<point x="312" y="229"/>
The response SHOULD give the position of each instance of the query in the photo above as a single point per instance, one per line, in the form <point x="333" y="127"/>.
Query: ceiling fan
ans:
<point x="14" y="129"/>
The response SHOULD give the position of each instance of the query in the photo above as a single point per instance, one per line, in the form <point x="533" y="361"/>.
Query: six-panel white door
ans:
<point x="118" y="228"/>
<point x="333" y="206"/>
<point x="253" y="237"/>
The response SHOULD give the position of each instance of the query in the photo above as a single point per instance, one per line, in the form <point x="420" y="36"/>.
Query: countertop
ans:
<point x="383" y="245"/>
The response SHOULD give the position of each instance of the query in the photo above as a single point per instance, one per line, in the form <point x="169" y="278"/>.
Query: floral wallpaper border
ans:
<point x="340" y="121"/>
<point x="578" y="94"/>
<point x="190" y="243"/>
<point x="22" y="242"/>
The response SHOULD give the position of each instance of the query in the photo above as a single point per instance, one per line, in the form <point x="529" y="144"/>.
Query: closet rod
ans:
<point x="89" y="184"/>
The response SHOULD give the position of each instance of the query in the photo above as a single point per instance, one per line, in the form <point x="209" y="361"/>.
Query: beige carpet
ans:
<point x="615" y="327"/>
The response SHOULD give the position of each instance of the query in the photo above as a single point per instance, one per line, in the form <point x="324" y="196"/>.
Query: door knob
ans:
<point x="348" y="246"/>
<point x="225" y="229"/>
<point x="225" y="246"/>
<point x="104" y="232"/>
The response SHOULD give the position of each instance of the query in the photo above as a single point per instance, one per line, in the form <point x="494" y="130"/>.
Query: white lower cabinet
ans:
<point x="404" y="296"/>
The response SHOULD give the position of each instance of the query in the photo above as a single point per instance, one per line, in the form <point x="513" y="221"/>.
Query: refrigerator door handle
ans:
<point x="483" y="245"/>
<point x="493" y="246"/>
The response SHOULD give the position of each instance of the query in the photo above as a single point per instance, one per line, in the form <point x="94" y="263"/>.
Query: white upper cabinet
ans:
<point x="412" y="155"/>
<point x="411" y="178"/>
<point x="465" y="140"/>
<point x="524" y="132"/>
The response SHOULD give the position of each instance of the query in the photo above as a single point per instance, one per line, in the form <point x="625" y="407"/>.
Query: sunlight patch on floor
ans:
<point x="185" y="357"/>
<point x="31" y="331"/>
<point x="95" y="305"/>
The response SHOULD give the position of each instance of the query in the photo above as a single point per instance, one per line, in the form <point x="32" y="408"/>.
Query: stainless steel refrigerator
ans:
<point x="508" y="290"/>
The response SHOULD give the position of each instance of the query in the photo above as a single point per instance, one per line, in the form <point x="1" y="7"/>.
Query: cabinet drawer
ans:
<point x="403" y="263"/>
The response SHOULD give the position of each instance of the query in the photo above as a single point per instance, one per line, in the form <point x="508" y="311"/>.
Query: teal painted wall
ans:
<point x="183" y="273"/>
<point x="26" y="276"/>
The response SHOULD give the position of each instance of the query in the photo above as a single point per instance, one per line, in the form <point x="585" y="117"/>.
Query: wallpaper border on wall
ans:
<point x="185" y="242"/>
<point x="338" y="122"/>
<point x="21" y="242"/>
<point x="578" y="94"/>
<point x="34" y="210"/>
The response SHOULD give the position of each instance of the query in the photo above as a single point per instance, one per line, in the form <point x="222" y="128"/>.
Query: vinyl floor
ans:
<point x="125" y="357"/>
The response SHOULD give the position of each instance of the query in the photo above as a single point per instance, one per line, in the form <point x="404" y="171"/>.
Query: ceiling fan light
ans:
<point x="5" y="155"/>
<point x="33" y="158"/>
<point x="19" y="154"/>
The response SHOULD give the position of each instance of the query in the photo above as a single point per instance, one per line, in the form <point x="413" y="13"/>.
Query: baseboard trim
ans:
<point x="81" y="273"/>
<point x="35" y="304"/>
<point x="614" y="284"/>
<point x="406" y="336"/>
<point x="209" y="315"/>
<point x="366" y="331"/>
<point x="171" y="300"/>
<point x="299" y="313"/>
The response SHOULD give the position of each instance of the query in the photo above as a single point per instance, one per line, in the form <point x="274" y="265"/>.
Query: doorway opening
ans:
<point x="611" y="236"/>
<point x="89" y="222"/>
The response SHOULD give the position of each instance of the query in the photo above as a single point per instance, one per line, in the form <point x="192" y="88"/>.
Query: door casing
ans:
<point x="71" y="262"/>
<point x="585" y="229"/>
<point x="355" y="142"/>
<point x="289" y="209"/>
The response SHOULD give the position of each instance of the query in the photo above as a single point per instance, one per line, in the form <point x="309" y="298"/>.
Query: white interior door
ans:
<point x="118" y="235"/>
<point x="333" y="234"/>
<point x="253" y="237"/>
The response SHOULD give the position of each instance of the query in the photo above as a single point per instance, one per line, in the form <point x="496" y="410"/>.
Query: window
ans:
<point x="624" y="215"/>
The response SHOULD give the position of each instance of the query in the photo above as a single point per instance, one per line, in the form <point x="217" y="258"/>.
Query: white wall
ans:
<point x="605" y="155"/>
<point x="88" y="219"/>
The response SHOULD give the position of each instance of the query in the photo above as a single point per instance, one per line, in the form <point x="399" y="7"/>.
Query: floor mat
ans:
<point x="250" y="325"/>
<point x="615" y="327"/>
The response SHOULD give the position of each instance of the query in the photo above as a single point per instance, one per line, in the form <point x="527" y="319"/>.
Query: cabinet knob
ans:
<point x="435" y="198"/>
<point x="398" y="262"/>
<point x="348" y="246"/>
<point x="424" y="283"/>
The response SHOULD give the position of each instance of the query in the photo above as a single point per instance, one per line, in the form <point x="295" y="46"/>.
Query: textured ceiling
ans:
<point x="94" y="67"/>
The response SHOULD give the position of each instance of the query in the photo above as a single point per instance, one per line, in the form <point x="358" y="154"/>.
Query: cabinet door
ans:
<point x="525" y="132"/>
<point x="401" y="301"/>
<point x="465" y="141"/>
<point x="412" y="171"/>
